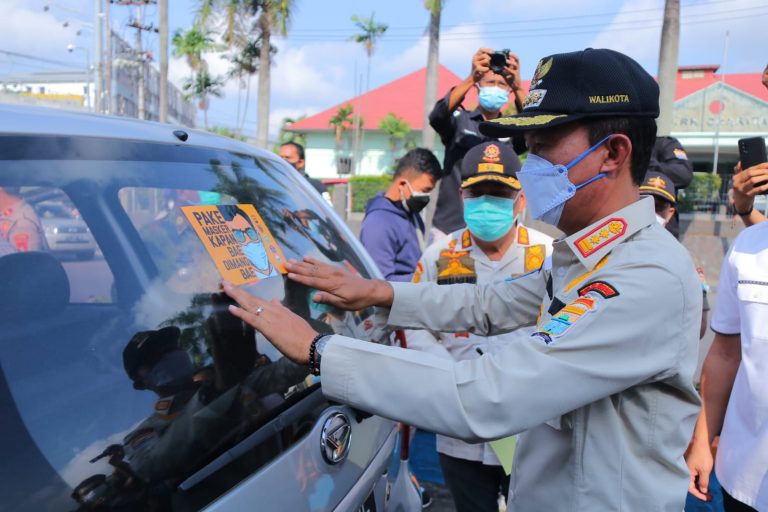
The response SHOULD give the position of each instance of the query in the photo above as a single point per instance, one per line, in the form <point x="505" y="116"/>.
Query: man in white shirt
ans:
<point x="494" y="246"/>
<point x="734" y="382"/>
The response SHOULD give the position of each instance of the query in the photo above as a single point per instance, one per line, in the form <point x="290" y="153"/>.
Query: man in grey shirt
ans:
<point x="601" y="382"/>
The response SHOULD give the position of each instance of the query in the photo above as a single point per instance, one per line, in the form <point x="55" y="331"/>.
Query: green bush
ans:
<point x="701" y="194"/>
<point x="365" y="187"/>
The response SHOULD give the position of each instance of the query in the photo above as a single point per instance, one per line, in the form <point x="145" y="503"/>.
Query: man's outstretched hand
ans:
<point x="287" y="331"/>
<point x="338" y="287"/>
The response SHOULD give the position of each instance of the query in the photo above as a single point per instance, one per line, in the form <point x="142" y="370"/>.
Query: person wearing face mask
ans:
<point x="392" y="227"/>
<point x="597" y="372"/>
<point x="459" y="128"/>
<point x="494" y="246"/>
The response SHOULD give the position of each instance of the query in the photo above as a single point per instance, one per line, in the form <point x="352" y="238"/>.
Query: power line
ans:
<point x="516" y="21"/>
<point x="558" y="31"/>
<point x="38" y="59"/>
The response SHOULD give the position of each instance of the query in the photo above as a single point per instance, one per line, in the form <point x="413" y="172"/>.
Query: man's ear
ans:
<point x="520" y="203"/>
<point x="619" y="151"/>
<point x="671" y="213"/>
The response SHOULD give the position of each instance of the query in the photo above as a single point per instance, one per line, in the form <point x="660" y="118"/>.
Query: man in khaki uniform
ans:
<point x="603" y="386"/>
<point x="494" y="246"/>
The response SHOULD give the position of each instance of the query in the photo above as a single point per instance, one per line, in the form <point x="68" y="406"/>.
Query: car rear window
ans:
<point x="122" y="399"/>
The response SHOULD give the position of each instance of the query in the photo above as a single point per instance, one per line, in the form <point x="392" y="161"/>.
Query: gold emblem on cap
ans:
<point x="542" y="68"/>
<point x="491" y="153"/>
<point x="488" y="167"/>
<point x="657" y="182"/>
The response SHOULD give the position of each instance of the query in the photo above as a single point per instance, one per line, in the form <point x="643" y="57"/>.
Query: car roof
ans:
<point x="42" y="121"/>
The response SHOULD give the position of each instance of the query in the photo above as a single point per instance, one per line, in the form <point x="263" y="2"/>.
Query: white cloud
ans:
<point x="641" y="41"/>
<point x="26" y="28"/>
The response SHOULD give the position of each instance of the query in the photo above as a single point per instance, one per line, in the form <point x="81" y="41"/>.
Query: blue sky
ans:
<point x="316" y="63"/>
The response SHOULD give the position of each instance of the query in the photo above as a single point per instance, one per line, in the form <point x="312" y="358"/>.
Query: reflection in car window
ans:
<point x="120" y="401"/>
<point x="45" y="219"/>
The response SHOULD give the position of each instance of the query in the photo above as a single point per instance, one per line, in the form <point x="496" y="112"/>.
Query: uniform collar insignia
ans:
<point x="592" y="243"/>
<point x="522" y="235"/>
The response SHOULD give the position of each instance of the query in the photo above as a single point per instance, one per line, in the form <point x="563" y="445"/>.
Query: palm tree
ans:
<point x="273" y="17"/>
<point x="435" y="8"/>
<point x="370" y="33"/>
<point x="397" y="128"/>
<point x="201" y="86"/>
<point x="191" y="45"/>
<point x="244" y="65"/>
<point x="341" y="121"/>
<point x="288" y="136"/>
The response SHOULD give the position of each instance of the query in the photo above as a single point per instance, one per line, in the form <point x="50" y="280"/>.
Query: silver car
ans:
<point x="125" y="384"/>
<point x="65" y="234"/>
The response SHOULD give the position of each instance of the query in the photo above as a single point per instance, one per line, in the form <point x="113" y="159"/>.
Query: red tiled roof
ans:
<point x="748" y="82"/>
<point x="405" y="96"/>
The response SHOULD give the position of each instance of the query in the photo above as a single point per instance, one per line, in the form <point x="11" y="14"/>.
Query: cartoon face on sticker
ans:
<point x="238" y="241"/>
<point x="247" y="235"/>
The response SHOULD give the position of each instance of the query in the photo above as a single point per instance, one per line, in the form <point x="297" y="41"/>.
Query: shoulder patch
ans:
<point x="601" y="236"/>
<point x="534" y="257"/>
<point x="571" y="313"/>
<point x="680" y="154"/>
<point x="601" y="288"/>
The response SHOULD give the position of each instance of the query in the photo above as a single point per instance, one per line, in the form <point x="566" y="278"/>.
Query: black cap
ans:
<point x="490" y="161"/>
<point x="146" y="348"/>
<point x="585" y="84"/>
<point x="659" y="185"/>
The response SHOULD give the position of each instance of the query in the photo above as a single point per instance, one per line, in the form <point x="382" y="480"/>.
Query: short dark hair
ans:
<point x="230" y="211"/>
<point x="420" y="160"/>
<point x="299" y="148"/>
<point x="640" y="130"/>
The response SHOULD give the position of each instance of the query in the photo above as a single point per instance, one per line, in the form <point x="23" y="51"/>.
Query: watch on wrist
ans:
<point x="744" y="214"/>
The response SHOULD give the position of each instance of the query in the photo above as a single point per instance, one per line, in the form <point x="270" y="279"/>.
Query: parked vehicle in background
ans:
<point x="125" y="384"/>
<point x="65" y="234"/>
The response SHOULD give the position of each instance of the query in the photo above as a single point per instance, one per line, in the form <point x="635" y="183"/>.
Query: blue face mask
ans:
<point x="492" y="98"/>
<point x="489" y="217"/>
<point x="547" y="187"/>
<point x="257" y="254"/>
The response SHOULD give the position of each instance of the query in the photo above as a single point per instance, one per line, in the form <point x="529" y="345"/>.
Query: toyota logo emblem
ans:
<point x="335" y="438"/>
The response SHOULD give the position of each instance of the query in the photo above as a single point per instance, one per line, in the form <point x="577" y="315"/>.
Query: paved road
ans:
<point x="90" y="281"/>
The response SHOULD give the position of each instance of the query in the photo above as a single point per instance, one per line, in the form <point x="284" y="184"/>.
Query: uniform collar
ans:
<point x="592" y="243"/>
<point x="462" y="241"/>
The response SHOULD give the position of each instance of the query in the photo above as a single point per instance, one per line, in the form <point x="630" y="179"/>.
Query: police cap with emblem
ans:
<point x="659" y="185"/>
<point x="146" y="348"/>
<point x="585" y="84"/>
<point x="490" y="161"/>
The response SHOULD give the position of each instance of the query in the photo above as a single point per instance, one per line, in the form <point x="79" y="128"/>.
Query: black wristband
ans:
<point x="744" y="214"/>
<point x="314" y="357"/>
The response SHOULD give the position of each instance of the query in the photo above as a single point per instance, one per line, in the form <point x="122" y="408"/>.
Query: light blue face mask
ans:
<point x="492" y="98"/>
<point x="547" y="187"/>
<point x="257" y="254"/>
<point x="489" y="217"/>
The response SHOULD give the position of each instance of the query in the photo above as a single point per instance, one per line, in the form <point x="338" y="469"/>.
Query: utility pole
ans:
<point x="140" y="54"/>
<point x="140" y="58"/>
<point x="108" y="60"/>
<point x="668" y="57"/>
<point x="163" y="12"/>
<point x="98" y="70"/>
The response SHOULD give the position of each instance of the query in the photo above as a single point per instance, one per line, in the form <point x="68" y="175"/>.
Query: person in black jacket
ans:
<point x="459" y="132"/>
<point x="669" y="158"/>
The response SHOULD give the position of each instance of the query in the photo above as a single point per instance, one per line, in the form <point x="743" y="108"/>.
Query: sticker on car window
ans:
<point x="238" y="241"/>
